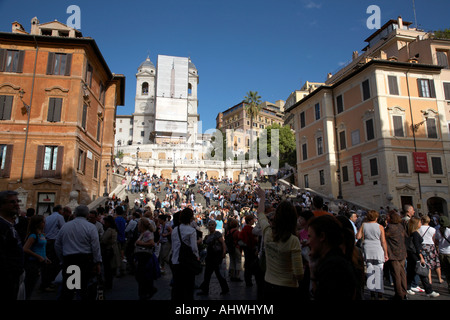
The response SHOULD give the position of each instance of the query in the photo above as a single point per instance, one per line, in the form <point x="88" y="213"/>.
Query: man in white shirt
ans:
<point x="78" y="245"/>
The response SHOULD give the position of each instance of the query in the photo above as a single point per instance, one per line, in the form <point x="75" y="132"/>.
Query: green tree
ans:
<point x="442" y="34"/>
<point x="252" y="106"/>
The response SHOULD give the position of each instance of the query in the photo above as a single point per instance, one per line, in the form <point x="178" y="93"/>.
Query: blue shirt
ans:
<point x="38" y="246"/>
<point x="121" y="225"/>
<point x="53" y="223"/>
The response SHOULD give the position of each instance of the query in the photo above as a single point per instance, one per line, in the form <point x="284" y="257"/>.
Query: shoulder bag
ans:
<point x="187" y="258"/>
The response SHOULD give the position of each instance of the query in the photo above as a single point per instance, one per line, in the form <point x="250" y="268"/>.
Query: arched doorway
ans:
<point x="437" y="204"/>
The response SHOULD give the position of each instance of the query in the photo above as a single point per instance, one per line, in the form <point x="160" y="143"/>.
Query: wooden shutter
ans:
<point x="50" y="62"/>
<point x="6" y="107"/>
<point x="431" y="128"/>
<point x="437" y="165"/>
<point x="51" y="109"/>
<point x="393" y="87"/>
<point x="398" y="126"/>
<point x="432" y="90"/>
<point x="366" y="90"/>
<point x="68" y="64"/>
<point x="39" y="162"/>
<point x="2" y="59"/>
<point x="57" y="110"/>
<point x="84" y="115"/>
<point x="447" y="90"/>
<point x="20" y="62"/>
<point x="340" y="104"/>
<point x="59" y="162"/>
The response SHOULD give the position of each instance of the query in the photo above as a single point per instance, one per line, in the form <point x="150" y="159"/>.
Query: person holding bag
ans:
<point x="145" y="260"/>
<point x="415" y="257"/>
<point x="443" y="243"/>
<point x="183" y="278"/>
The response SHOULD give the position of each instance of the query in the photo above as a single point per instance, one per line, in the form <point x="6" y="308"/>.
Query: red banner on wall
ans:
<point x="357" y="170"/>
<point x="420" y="162"/>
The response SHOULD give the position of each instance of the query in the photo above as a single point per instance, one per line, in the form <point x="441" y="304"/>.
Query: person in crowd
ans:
<point x="183" y="281"/>
<point x="165" y="241"/>
<point x="284" y="265"/>
<point x="414" y="254"/>
<point x="443" y="243"/>
<point x="110" y="251"/>
<point x="35" y="254"/>
<point x="93" y="218"/>
<point x="429" y="251"/>
<point x="303" y="216"/>
<point x="395" y="242"/>
<point x="332" y="273"/>
<point x="375" y="253"/>
<point x="53" y="223"/>
<point x="11" y="250"/>
<point x="215" y="253"/>
<point x="234" y="252"/>
<point x="131" y="233"/>
<point x="146" y="262"/>
<point x="318" y="207"/>
<point x="248" y="242"/>
<point x="121" y="224"/>
<point x="78" y="244"/>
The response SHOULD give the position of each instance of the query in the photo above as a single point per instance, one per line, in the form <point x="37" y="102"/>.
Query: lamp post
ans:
<point x="107" y="178"/>
<point x="137" y="157"/>
<point x="174" y="169"/>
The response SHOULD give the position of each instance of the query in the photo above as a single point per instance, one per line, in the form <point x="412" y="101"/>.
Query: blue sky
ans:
<point x="272" y="47"/>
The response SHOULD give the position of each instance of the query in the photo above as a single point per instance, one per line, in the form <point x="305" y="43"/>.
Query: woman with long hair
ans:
<point x="35" y="252"/>
<point x="284" y="267"/>
<point x="414" y="255"/>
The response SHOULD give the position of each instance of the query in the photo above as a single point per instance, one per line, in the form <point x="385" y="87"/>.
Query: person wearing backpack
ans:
<point x="234" y="252"/>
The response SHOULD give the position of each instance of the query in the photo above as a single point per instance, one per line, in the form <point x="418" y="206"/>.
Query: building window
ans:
<point x="426" y="88"/>
<point x="431" y="128"/>
<point x="49" y="161"/>
<point x="81" y="161"/>
<point x="393" y="85"/>
<point x="436" y="165"/>
<point x="102" y="93"/>
<point x="319" y="146"/>
<point x="145" y="89"/>
<point x="447" y="90"/>
<point x="6" y="103"/>
<point x="442" y="59"/>
<point x="88" y="75"/>
<point x="366" y="89"/>
<point x="84" y="117"/>
<point x="11" y="60"/>
<point x="344" y="174"/>
<point x="373" y="167"/>
<point x="59" y="63"/>
<point x="317" y="111"/>
<point x="398" y="126"/>
<point x="95" y="168"/>
<point x="54" y="109"/>
<point x="340" y="103"/>
<point x="306" y="180"/>
<point x="305" y="151"/>
<point x="99" y="129"/>
<point x="370" y="132"/>
<point x="321" y="177"/>
<point x="302" y="120"/>
<point x="5" y="160"/>
<point x="402" y="164"/>
<point x="342" y="142"/>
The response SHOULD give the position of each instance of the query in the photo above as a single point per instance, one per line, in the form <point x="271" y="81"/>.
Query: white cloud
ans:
<point x="310" y="4"/>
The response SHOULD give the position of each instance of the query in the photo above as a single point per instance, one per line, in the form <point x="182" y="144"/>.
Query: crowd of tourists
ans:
<point x="288" y="244"/>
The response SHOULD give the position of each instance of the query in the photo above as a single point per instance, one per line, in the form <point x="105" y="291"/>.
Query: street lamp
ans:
<point x="137" y="157"/>
<point x="174" y="170"/>
<point x="105" y="194"/>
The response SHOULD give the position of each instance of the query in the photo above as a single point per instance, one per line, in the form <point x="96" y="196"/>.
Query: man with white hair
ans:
<point x="78" y="245"/>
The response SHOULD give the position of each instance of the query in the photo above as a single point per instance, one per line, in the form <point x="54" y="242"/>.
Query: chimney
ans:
<point x="34" y="26"/>
<point x="400" y="22"/>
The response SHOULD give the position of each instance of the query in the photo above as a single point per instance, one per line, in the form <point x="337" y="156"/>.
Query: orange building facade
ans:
<point x="377" y="132"/>
<point x="58" y="100"/>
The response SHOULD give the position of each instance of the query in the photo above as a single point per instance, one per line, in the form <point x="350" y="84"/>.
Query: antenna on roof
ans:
<point x="414" y="9"/>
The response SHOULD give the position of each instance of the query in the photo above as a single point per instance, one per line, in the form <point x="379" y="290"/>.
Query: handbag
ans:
<point x="421" y="269"/>
<point x="140" y="249"/>
<point x="187" y="258"/>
